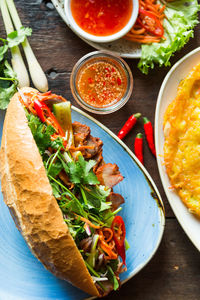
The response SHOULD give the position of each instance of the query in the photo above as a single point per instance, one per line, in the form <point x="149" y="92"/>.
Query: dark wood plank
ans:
<point x="173" y="274"/>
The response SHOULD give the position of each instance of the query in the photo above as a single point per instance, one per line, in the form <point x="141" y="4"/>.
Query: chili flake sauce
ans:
<point x="101" y="17"/>
<point x="101" y="83"/>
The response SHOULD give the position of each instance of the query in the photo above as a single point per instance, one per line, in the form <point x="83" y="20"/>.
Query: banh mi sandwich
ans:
<point x="59" y="192"/>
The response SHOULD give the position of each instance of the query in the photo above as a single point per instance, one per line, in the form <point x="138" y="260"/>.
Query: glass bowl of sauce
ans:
<point x="101" y="82"/>
<point x="101" y="20"/>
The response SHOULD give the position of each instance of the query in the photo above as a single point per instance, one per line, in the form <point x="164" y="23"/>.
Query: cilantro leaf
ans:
<point x="93" y="202"/>
<point x="8" y="84"/>
<point x="75" y="172"/>
<point x="56" y="190"/>
<point x="55" y="169"/>
<point x="18" y="36"/>
<point x="8" y="78"/>
<point x="96" y="198"/>
<point x="3" y="49"/>
<point x="41" y="133"/>
<point x="33" y="122"/>
<point x="65" y="167"/>
<point x="103" y="191"/>
<point x="81" y="171"/>
<point x="105" y="206"/>
<point x="57" y="143"/>
<point x="5" y="95"/>
<point x="8" y="71"/>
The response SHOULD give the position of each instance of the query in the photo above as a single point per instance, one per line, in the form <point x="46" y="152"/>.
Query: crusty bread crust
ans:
<point x="28" y="194"/>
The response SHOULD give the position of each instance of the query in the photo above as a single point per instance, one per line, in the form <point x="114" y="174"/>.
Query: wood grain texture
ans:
<point x="174" y="272"/>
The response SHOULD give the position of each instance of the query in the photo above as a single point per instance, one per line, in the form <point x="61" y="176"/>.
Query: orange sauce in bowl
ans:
<point x="101" y="17"/>
<point x="101" y="83"/>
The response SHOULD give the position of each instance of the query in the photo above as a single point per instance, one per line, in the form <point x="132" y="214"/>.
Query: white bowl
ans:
<point x="168" y="91"/>
<point x="101" y="39"/>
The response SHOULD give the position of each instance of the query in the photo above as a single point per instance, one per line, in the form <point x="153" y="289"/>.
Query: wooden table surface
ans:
<point x="174" y="271"/>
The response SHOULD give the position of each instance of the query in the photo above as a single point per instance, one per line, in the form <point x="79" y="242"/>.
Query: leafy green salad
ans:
<point x="181" y="16"/>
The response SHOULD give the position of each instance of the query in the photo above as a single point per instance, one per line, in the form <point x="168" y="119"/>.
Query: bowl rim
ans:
<point x="119" y="61"/>
<point x="101" y="39"/>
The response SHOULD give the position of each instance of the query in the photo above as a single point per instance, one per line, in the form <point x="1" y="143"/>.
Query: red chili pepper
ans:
<point x="119" y="233"/>
<point x="138" y="147"/>
<point x="128" y="125"/>
<point x="150" y="22"/>
<point x="44" y="112"/>
<point x="149" y="135"/>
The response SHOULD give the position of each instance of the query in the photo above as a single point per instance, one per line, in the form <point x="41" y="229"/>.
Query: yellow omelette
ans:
<point x="182" y="141"/>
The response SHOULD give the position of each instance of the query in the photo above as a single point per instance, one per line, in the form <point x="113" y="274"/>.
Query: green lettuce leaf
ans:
<point x="181" y="17"/>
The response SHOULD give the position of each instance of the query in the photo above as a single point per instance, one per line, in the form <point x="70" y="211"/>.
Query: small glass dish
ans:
<point x="121" y="76"/>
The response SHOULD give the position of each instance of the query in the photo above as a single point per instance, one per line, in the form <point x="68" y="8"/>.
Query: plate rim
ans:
<point x="93" y="44"/>
<point x="160" y="167"/>
<point x="148" y="178"/>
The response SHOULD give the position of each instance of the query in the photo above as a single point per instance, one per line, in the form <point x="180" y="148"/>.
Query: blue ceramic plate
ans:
<point x="22" y="276"/>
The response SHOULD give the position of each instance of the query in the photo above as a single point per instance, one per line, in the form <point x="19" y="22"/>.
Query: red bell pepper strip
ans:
<point x="119" y="234"/>
<point x="149" y="135"/>
<point x="138" y="147"/>
<point x="128" y="125"/>
<point x="150" y="22"/>
<point x="39" y="110"/>
<point x="44" y="112"/>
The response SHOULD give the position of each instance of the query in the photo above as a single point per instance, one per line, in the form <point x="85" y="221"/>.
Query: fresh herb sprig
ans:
<point x="17" y="37"/>
<point x="8" y="78"/>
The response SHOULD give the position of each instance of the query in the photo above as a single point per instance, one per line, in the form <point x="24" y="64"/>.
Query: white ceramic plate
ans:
<point x="168" y="91"/>
<point x="120" y="47"/>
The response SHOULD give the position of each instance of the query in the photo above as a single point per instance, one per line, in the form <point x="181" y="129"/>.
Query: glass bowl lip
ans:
<point x="118" y="60"/>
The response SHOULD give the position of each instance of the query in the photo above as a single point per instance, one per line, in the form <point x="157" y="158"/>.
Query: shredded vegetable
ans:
<point x="88" y="222"/>
<point x="148" y="27"/>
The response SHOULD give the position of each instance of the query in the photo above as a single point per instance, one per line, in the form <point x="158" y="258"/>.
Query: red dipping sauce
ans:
<point x="101" y="17"/>
<point x="101" y="83"/>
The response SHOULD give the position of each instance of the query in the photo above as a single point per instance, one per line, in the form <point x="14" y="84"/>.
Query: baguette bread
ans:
<point x="28" y="194"/>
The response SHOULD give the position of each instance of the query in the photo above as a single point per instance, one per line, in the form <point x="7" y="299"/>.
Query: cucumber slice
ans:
<point x="62" y="112"/>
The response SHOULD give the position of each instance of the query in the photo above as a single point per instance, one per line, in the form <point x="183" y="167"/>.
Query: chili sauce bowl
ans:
<point x="73" y="24"/>
<point x="101" y="82"/>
